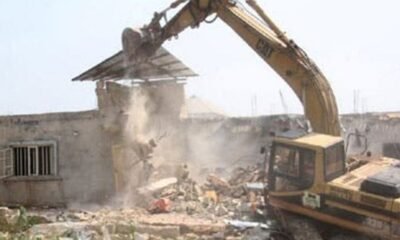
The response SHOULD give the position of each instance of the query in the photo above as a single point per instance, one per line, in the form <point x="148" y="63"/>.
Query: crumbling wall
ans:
<point x="152" y="136"/>
<point x="83" y="156"/>
<point x="224" y="144"/>
<point x="378" y="130"/>
<point x="85" y="140"/>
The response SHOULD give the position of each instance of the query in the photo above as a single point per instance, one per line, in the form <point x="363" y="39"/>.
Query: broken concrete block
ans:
<point x="217" y="182"/>
<point x="202" y="229"/>
<point x="157" y="186"/>
<point x="8" y="216"/>
<point x="54" y="229"/>
<point x="169" y="193"/>
<point x="4" y="211"/>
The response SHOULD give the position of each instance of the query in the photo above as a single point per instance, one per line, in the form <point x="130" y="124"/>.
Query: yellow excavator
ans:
<point x="308" y="173"/>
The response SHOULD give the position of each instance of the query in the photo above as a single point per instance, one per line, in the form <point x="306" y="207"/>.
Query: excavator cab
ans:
<point x="292" y="168"/>
<point x="300" y="161"/>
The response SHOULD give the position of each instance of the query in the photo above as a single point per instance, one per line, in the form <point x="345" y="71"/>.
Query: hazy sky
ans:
<point x="43" y="44"/>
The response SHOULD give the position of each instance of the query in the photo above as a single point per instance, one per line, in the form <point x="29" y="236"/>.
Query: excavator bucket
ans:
<point x="134" y="47"/>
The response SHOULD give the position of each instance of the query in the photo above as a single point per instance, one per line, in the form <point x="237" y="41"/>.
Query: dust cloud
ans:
<point x="153" y="140"/>
<point x="158" y="130"/>
<point x="216" y="147"/>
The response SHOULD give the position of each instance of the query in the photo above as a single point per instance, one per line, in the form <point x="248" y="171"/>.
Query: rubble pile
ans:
<point x="215" y="198"/>
<point x="218" y="200"/>
<point x="132" y="223"/>
<point x="177" y="208"/>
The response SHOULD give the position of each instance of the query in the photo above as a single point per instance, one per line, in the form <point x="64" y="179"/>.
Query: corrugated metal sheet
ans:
<point x="163" y="65"/>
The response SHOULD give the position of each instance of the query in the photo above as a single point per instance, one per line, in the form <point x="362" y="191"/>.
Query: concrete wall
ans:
<point x="84" y="166"/>
<point x="377" y="128"/>
<point x="221" y="145"/>
<point x="84" y="142"/>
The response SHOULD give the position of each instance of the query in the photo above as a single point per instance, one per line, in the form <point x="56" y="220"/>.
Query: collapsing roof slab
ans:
<point x="161" y="66"/>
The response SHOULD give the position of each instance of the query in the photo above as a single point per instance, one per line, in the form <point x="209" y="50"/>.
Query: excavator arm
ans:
<point x="263" y="36"/>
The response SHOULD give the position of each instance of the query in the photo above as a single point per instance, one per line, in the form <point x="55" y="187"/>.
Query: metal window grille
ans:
<point x="33" y="160"/>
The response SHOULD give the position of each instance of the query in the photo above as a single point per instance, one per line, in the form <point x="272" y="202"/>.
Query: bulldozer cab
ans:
<point x="298" y="161"/>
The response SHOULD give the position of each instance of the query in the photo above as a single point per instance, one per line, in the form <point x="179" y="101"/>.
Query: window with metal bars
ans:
<point x="33" y="160"/>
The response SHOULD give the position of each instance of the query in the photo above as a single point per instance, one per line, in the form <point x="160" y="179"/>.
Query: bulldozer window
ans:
<point x="293" y="168"/>
<point x="334" y="162"/>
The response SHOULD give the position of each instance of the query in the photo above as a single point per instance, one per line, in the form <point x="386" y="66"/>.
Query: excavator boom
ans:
<point x="286" y="58"/>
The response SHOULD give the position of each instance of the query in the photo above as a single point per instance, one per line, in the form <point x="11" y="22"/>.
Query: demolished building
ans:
<point x="58" y="159"/>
